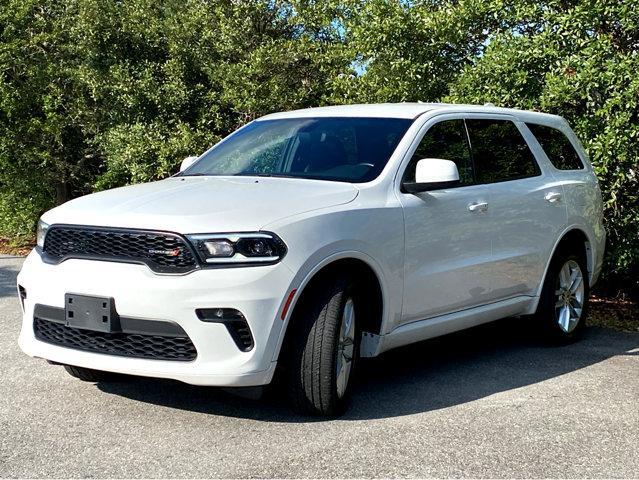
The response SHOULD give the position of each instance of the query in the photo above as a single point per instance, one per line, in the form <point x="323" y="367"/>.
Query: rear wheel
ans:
<point x="325" y="348"/>
<point x="564" y="299"/>
<point x="90" y="375"/>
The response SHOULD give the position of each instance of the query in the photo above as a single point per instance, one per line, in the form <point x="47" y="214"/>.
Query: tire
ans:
<point x="90" y="375"/>
<point x="319" y="373"/>
<point x="555" y="326"/>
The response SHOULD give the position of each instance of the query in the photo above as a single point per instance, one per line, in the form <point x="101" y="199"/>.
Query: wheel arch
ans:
<point x="370" y="279"/>
<point x="572" y="236"/>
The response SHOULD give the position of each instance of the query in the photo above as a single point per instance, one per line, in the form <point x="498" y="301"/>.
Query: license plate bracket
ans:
<point x="91" y="313"/>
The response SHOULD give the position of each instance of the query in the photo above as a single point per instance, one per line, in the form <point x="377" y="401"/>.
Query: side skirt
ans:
<point x="453" y="322"/>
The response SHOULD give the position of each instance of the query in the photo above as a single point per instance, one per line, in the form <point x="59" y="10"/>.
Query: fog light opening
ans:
<point x="217" y="315"/>
<point x="234" y="322"/>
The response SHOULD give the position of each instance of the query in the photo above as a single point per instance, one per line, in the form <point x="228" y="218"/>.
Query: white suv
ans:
<point x="308" y="239"/>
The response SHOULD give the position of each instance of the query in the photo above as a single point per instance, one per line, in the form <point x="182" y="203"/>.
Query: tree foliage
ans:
<point x="578" y="60"/>
<point x="100" y="93"/>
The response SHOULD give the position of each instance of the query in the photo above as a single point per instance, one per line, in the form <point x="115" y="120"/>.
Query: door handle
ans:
<point x="553" y="197"/>
<point x="478" y="207"/>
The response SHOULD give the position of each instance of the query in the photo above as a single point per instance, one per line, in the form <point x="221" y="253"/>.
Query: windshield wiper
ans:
<point x="275" y="175"/>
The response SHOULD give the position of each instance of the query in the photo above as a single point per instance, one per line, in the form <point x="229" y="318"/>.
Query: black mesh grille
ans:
<point x="162" y="252"/>
<point x="123" y="344"/>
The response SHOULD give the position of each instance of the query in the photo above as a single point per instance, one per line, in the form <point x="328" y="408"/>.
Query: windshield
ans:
<point x="343" y="149"/>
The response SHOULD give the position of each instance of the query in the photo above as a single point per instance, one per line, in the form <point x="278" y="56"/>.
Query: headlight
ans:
<point x="238" y="248"/>
<point x="41" y="232"/>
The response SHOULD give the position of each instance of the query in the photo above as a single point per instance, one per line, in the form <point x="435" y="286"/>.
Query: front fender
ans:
<point x="319" y="240"/>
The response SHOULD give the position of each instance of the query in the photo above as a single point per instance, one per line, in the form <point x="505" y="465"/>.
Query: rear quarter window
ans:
<point x="557" y="146"/>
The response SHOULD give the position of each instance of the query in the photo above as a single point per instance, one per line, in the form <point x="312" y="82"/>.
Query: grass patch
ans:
<point x="19" y="247"/>
<point x="616" y="313"/>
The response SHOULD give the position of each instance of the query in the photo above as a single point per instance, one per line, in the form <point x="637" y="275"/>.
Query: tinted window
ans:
<point x="446" y="140"/>
<point x="500" y="153"/>
<point x="343" y="149"/>
<point x="557" y="147"/>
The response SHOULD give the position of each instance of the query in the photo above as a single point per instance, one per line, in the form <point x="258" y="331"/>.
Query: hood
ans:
<point x="203" y="204"/>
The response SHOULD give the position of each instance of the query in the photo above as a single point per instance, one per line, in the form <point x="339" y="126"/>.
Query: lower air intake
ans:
<point x="135" y="345"/>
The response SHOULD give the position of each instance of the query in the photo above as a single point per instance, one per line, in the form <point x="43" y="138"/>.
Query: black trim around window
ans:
<point x="413" y="187"/>
<point x="450" y="185"/>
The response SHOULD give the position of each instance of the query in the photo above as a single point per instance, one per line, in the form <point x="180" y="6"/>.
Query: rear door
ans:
<point x="526" y="204"/>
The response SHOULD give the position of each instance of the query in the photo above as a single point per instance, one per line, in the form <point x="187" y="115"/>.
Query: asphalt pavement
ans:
<point x="489" y="402"/>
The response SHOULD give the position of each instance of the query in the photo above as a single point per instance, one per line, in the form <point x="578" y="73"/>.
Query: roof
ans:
<point x="384" y="110"/>
<point x="403" y="110"/>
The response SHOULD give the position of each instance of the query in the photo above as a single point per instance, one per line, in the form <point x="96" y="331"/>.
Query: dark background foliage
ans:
<point x="101" y="93"/>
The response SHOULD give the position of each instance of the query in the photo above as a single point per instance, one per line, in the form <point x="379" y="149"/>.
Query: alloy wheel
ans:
<point x="345" y="348"/>
<point x="569" y="296"/>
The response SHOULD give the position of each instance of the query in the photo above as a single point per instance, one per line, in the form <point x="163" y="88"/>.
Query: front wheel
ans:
<point x="564" y="299"/>
<point x="325" y="350"/>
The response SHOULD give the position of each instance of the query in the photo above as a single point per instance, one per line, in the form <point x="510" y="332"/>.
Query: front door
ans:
<point x="447" y="232"/>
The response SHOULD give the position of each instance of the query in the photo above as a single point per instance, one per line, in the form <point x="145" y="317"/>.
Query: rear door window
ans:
<point x="499" y="151"/>
<point x="557" y="146"/>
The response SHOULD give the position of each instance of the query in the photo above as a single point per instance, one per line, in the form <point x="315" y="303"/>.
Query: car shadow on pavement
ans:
<point x="426" y="376"/>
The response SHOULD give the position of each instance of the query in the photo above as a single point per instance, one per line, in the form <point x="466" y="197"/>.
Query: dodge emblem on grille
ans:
<point x="169" y="253"/>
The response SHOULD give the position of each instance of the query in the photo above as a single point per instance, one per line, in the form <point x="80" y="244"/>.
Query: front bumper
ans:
<point x="257" y="292"/>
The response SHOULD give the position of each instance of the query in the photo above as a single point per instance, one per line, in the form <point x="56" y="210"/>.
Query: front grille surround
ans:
<point x="123" y="344"/>
<point x="162" y="252"/>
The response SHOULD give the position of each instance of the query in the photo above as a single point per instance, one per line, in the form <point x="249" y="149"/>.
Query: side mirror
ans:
<point x="431" y="174"/>
<point x="187" y="162"/>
